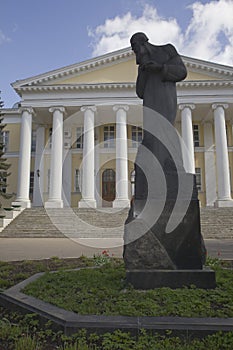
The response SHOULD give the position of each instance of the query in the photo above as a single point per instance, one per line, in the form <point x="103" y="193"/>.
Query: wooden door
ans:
<point x="108" y="187"/>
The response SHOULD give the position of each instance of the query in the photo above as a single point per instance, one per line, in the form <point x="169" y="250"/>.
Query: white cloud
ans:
<point x="115" y="33"/>
<point x="209" y="34"/>
<point x="3" y="38"/>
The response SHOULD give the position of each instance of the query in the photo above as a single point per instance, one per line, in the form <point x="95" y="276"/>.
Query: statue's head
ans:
<point x="138" y="38"/>
<point x="138" y="41"/>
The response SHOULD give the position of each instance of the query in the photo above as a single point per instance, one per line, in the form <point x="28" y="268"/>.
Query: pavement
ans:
<point x="16" y="249"/>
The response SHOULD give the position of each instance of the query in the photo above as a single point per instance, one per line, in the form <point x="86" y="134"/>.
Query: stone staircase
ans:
<point x="70" y="222"/>
<point x="101" y="223"/>
<point x="217" y="223"/>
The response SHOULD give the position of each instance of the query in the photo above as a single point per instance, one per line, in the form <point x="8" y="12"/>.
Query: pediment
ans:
<point x="119" y="67"/>
<point x="120" y="72"/>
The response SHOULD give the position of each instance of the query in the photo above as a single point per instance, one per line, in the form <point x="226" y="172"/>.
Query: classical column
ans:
<point x="210" y="172"/>
<point x="122" y="182"/>
<point x="67" y="168"/>
<point x="38" y="188"/>
<point x="25" y="158"/>
<point x="187" y="135"/>
<point x="88" y="164"/>
<point x="223" y="175"/>
<point x="55" y="191"/>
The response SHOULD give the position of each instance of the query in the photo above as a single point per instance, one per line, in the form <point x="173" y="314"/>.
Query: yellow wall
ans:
<point x="14" y="136"/>
<point x="123" y="72"/>
<point x="120" y="72"/>
<point x="198" y="76"/>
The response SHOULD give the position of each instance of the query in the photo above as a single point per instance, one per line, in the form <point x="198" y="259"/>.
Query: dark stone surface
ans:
<point x="162" y="230"/>
<point x="159" y="68"/>
<point x="150" y="279"/>
<point x="146" y="251"/>
<point x="146" y="248"/>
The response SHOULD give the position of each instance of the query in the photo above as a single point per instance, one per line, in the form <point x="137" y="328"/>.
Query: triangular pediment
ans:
<point x="119" y="67"/>
<point x="125" y="71"/>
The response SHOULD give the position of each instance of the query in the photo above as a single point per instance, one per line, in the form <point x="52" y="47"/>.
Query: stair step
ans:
<point x="101" y="223"/>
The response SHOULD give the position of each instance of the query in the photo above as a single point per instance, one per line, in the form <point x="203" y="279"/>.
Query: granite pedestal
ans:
<point x="150" y="279"/>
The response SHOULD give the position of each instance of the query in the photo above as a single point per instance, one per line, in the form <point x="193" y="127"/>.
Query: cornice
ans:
<point x="70" y="87"/>
<point x="210" y="67"/>
<point x="205" y="83"/>
<point x="114" y="86"/>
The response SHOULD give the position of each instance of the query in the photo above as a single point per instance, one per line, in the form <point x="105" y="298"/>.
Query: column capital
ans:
<point x="57" y="108"/>
<point x="186" y="105"/>
<point x="216" y="105"/>
<point x="117" y="107"/>
<point x="86" y="108"/>
<point x="30" y="110"/>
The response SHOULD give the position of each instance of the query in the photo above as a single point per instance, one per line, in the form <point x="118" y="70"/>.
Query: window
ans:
<point x="33" y="144"/>
<point x="79" y="135"/>
<point x="31" y="182"/>
<point x="198" y="178"/>
<point x="109" y="136"/>
<point x="136" y="136"/>
<point x="196" y="136"/>
<point x="5" y="140"/>
<point x="77" y="181"/>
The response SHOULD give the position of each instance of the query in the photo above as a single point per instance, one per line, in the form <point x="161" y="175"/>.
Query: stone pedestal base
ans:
<point x="223" y="203"/>
<point x="23" y="203"/>
<point x="87" y="203"/>
<point x="150" y="279"/>
<point x="121" y="203"/>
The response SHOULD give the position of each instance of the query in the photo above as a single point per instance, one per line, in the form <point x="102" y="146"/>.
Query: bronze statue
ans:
<point x="148" y="245"/>
<point x="160" y="67"/>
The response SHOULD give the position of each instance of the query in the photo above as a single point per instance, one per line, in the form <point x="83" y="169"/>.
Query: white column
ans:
<point x="122" y="181"/>
<point x="223" y="175"/>
<point x="210" y="169"/>
<point x="187" y="135"/>
<point x="88" y="164"/>
<point x="39" y="168"/>
<point x="25" y="158"/>
<point x="55" y="191"/>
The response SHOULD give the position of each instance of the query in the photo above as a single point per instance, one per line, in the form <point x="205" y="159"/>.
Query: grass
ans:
<point x="103" y="291"/>
<point x="23" y="332"/>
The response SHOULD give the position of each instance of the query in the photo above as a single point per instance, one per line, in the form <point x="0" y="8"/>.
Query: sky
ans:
<point x="39" y="36"/>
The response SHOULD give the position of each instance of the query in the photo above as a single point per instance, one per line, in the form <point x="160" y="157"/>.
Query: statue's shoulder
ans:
<point x="170" y="50"/>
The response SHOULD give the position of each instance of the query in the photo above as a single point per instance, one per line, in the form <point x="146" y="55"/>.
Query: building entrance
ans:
<point x="108" y="187"/>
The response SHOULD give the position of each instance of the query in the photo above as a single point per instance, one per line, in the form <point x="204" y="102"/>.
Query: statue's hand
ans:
<point x="151" y="67"/>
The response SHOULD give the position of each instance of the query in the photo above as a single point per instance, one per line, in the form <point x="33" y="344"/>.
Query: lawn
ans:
<point x="102" y="291"/>
<point x="23" y="332"/>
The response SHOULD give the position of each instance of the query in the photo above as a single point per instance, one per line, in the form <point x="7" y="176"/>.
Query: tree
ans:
<point x="4" y="166"/>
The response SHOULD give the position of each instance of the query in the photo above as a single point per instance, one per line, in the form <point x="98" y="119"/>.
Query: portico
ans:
<point x="86" y="120"/>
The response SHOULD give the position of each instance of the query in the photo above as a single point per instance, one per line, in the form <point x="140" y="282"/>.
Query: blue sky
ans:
<point x="38" y="36"/>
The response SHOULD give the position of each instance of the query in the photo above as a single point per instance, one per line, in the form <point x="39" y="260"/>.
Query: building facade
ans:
<point x="73" y="138"/>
